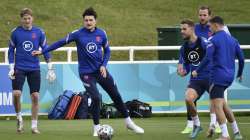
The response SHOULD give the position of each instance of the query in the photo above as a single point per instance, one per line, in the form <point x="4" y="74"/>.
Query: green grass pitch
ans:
<point x="156" y="128"/>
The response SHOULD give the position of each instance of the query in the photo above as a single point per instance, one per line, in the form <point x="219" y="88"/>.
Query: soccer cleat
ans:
<point x="132" y="126"/>
<point x="217" y="129"/>
<point x="237" y="136"/>
<point x="20" y="126"/>
<point x="211" y="131"/>
<point x="223" y="138"/>
<point x="187" y="130"/>
<point x="35" y="131"/>
<point x="195" y="132"/>
<point x="96" y="129"/>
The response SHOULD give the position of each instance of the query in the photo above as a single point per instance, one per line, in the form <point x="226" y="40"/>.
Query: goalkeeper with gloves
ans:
<point x="25" y="39"/>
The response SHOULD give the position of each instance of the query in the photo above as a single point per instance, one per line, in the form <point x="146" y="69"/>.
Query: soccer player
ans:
<point x="24" y="39"/>
<point x="221" y="52"/>
<point x="93" y="55"/>
<point x="191" y="53"/>
<point x="202" y="30"/>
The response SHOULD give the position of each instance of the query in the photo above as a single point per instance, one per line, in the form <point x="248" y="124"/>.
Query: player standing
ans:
<point x="25" y="39"/>
<point x="93" y="55"/>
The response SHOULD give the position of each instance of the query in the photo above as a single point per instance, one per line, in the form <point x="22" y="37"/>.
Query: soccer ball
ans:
<point x="105" y="132"/>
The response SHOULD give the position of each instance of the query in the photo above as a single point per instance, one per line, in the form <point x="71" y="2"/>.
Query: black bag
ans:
<point x="109" y="111"/>
<point x="139" y="109"/>
<point x="83" y="111"/>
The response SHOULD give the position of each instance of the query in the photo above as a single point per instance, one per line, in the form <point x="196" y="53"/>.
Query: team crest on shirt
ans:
<point x="98" y="38"/>
<point x="27" y="46"/>
<point x="91" y="47"/>
<point x="33" y="35"/>
<point x="86" y="77"/>
<point x="210" y="34"/>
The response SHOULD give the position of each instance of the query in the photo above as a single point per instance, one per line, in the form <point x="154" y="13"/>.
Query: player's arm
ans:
<point x="106" y="49"/>
<point x="106" y="55"/>
<point x="51" y="76"/>
<point x="240" y="57"/>
<point x="182" y="68"/>
<point x="69" y="38"/>
<point x="206" y="60"/>
<point x="11" y="56"/>
<point x="43" y="44"/>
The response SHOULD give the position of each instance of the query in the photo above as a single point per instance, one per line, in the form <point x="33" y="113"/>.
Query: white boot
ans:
<point x="96" y="129"/>
<point x="132" y="126"/>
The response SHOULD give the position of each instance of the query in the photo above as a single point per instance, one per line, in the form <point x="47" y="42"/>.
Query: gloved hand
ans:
<point x="11" y="72"/>
<point x="51" y="76"/>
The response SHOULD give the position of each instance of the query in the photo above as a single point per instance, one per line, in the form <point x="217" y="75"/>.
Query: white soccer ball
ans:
<point x="105" y="132"/>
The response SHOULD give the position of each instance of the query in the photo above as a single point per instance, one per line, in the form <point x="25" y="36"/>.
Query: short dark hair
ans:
<point x="26" y="11"/>
<point x="189" y="22"/>
<point x="205" y="7"/>
<point x="217" y="19"/>
<point x="89" y="12"/>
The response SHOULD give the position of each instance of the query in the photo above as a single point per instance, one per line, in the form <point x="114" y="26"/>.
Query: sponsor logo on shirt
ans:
<point x="27" y="45"/>
<point x="91" y="47"/>
<point x="193" y="57"/>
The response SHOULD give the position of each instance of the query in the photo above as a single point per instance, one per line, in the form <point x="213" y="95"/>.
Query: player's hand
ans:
<point x="11" y="73"/>
<point x="239" y="79"/>
<point x="181" y="71"/>
<point x="194" y="73"/>
<point x="103" y="71"/>
<point x="51" y="76"/>
<point x="36" y="53"/>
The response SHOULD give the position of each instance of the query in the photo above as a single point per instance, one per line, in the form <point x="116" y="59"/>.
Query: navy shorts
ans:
<point x="33" y="78"/>
<point x="200" y="86"/>
<point x="217" y="91"/>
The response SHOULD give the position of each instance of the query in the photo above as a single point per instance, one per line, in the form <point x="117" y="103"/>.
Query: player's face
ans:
<point x="186" y="31"/>
<point x="89" y="22"/>
<point x="213" y="27"/>
<point x="204" y="16"/>
<point x="27" y="21"/>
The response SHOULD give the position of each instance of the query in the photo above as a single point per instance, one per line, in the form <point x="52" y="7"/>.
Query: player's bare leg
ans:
<point x="231" y="119"/>
<point x="191" y="96"/>
<point x="34" y="110"/>
<point x="213" y="126"/>
<point x="17" y="104"/>
<point x="218" y="104"/>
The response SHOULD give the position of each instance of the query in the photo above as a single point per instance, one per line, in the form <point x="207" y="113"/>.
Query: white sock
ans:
<point x="224" y="130"/>
<point x="34" y="124"/>
<point x="128" y="120"/>
<point x="196" y="120"/>
<point x="190" y="124"/>
<point x="235" y="127"/>
<point x="19" y="116"/>
<point x="212" y="119"/>
<point x="97" y="126"/>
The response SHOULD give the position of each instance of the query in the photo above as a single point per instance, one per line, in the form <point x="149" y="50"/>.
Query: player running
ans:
<point x="191" y="53"/>
<point x="221" y="53"/>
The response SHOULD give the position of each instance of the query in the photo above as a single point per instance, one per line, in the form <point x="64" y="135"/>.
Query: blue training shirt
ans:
<point x="202" y="30"/>
<point x="191" y="54"/>
<point x="221" y="52"/>
<point x="24" y="42"/>
<point x="90" y="48"/>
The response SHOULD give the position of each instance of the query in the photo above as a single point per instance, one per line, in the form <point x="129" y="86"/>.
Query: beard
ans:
<point x="186" y="38"/>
